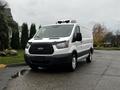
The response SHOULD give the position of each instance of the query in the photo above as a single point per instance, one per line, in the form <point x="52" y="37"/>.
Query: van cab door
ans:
<point x="78" y="44"/>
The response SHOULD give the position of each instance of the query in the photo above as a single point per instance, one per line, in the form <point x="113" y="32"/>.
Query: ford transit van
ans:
<point x="62" y="43"/>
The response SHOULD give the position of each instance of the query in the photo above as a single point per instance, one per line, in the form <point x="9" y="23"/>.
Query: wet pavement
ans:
<point x="6" y="75"/>
<point x="102" y="74"/>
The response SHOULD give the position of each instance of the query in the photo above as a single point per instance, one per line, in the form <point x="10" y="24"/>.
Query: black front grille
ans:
<point x="41" y="48"/>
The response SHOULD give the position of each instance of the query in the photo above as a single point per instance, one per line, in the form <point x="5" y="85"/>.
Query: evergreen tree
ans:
<point x="15" y="41"/>
<point x="4" y="39"/>
<point x="24" y="36"/>
<point x="32" y="30"/>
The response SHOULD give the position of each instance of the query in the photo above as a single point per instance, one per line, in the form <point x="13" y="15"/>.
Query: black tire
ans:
<point x="89" y="58"/>
<point x="73" y="64"/>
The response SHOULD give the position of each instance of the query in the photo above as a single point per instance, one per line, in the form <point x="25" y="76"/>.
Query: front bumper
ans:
<point x="43" y="61"/>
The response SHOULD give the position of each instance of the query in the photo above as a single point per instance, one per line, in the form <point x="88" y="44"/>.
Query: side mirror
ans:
<point x="79" y="37"/>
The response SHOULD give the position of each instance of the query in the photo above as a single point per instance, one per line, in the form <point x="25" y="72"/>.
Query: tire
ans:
<point x="73" y="64"/>
<point x="89" y="58"/>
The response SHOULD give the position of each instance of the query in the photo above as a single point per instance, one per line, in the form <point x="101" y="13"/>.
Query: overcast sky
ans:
<point x="49" y="11"/>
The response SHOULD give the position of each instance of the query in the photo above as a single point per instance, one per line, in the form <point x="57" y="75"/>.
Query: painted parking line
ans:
<point x="2" y="66"/>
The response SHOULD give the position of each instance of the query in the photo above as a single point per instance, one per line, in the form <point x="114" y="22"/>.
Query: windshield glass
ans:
<point x="54" y="31"/>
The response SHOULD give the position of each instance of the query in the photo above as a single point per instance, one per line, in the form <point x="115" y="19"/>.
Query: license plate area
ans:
<point x="39" y="60"/>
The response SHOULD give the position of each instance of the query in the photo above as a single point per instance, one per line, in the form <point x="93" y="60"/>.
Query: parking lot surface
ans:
<point x="102" y="74"/>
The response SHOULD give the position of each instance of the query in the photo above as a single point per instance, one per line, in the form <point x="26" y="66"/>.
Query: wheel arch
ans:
<point x="91" y="50"/>
<point x="75" y="53"/>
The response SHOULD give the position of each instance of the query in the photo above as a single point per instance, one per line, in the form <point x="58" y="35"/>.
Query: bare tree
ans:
<point x="118" y="38"/>
<point x="99" y="32"/>
<point x="3" y="4"/>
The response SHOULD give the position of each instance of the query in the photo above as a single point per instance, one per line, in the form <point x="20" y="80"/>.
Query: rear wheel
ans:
<point x="73" y="63"/>
<point x="89" y="58"/>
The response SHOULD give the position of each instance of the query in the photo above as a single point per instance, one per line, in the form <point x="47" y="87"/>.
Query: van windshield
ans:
<point x="54" y="31"/>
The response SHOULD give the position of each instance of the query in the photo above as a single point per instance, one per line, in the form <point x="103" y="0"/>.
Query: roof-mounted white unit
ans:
<point x="66" y="21"/>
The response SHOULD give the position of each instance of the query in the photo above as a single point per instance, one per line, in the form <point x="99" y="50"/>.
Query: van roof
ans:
<point x="67" y="24"/>
<point x="61" y="24"/>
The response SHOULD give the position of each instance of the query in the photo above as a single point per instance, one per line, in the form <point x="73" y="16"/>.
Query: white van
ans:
<point x="62" y="43"/>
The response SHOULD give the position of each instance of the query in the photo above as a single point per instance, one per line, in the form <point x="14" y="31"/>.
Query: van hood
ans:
<point x="49" y="40"/>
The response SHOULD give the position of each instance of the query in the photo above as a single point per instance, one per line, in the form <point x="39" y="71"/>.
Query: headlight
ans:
<point x="28" y="45"/>
<point x="61" y="45"/>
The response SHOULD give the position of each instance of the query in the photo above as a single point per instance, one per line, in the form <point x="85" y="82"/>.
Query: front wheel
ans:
<point x="89" y="58"/>
<point x="73" y="63"/>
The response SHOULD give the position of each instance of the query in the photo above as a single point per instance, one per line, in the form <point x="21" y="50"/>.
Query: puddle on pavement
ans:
<point x="18" y="74"/>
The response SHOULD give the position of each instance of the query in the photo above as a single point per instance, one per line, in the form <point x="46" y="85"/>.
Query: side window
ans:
<point x="77" y="30"/>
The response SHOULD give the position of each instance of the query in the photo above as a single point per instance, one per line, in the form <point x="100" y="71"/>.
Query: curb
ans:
<point x="2" y="66"/>
<point x="16" y="65"/>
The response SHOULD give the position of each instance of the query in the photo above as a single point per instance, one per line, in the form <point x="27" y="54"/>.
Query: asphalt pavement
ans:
<point x="102" y="74"/>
